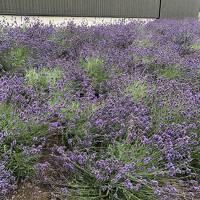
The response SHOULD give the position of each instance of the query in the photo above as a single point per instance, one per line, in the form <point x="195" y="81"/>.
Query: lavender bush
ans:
<point x="101" y="112"/>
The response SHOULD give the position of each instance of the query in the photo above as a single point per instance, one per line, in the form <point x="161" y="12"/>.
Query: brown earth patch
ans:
<point x="29" y="191"/>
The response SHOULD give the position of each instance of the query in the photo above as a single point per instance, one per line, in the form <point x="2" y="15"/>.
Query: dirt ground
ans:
<point x="28" y="191"/>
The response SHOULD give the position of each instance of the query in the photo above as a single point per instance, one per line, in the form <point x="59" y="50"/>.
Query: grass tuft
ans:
<point x="94" y="69"/>
<point x="43" y="77"/>
<point x="170" y="73"/>
<point x="13" y="59"/>
<point x="137" y="90"/>
<point x="196" y="46"/>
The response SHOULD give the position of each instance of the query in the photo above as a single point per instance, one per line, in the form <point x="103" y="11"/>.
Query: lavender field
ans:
<point x="103" y="112"/>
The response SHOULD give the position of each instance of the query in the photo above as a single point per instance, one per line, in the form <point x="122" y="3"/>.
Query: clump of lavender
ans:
<point x="101" y="112"/>
<point x="7" y="183"/>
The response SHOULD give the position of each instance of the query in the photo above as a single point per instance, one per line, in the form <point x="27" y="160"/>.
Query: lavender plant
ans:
<point x="101" y="112"/>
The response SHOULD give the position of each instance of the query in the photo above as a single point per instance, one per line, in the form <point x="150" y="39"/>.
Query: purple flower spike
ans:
<point x="128" y="185"/>
<point x="54" y="124"/>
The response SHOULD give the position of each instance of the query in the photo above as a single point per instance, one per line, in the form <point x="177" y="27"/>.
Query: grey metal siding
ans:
<point x="103" y="8"/>
<point x="90" y="8"/>
<point x="179" y="8"/>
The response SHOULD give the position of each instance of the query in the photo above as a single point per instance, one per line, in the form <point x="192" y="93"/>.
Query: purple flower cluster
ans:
<point x="112" y="109"/>
<point x="7" y="182"/>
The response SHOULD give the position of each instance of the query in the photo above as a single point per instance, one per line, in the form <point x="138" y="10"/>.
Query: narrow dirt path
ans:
<point x="29" y="191"/>
<point x="32" y="191"/>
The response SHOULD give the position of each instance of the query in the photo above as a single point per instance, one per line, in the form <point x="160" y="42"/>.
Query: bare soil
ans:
<point x="29" y="191"/>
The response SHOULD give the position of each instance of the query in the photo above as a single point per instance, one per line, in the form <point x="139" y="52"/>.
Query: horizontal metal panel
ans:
<point x="179" y="8"/>
<point x="90" y="8"/>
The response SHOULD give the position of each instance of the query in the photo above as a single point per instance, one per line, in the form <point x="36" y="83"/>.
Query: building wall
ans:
<point x="179" y="8"/>
<point x="102" y="8"/>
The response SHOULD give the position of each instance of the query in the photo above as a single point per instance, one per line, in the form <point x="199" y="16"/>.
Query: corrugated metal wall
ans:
<point x="102" y="8"/>
<point x="87" y="8"/>
<point x="179" y="8"/>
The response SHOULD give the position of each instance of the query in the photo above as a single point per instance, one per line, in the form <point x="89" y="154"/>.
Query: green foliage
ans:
<point x="16" y="129"/>
<point x="137" y="90"/>
<point x="86" y="190"/>
<point x="147" y="61"/>
<point x="85" y="186"/>
<point x="21" y="165"/>
<point x="43" y="77"/>
<point x="13" y="59"/>
<point x="9" y="121"/>
<point x="81" y="119"/>
<point x="144" y="193"/>
<point x="166" y="113"/>
<point x="144" y="43"/>
<point x="60" y="37"/>
<point x="23" y="134"/>
<point x="135" y="152"/>
<point x="170" y="73"/>
<point x="71" y="110"/>
<point x="195" y="163"/>
<point x="94" y="69"/>
<point x="55" y="99"/>
<point x="196" y="46"/>
<point x="117" y="71"/>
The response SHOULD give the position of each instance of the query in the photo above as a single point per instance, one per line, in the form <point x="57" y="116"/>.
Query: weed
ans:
<point x="137" y="90"/>
<point x="94" y="69"/>
<point x="144" y="43"/>
<point x="170" y="73"/>
<point x="21" y="165"/>
<point x="196" y="46"/>
<point x="14" y="59"/>
<point x="43" y="77"/>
